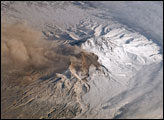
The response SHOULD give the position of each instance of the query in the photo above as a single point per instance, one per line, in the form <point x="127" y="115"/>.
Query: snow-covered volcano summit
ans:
<point x="122" y="51"/>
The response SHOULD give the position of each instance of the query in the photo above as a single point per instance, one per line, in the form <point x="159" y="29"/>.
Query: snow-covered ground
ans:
<point x="127" y="37"/>
<point x="128" y="58"/>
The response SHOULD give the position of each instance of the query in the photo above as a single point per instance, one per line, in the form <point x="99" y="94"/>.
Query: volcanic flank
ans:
<point x="29" y="59"/>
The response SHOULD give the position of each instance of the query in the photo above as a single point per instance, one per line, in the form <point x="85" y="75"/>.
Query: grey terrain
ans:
<point x="81" y="59"/>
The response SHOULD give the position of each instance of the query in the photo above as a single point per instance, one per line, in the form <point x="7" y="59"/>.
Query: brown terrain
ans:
<point x="33" y="85"/>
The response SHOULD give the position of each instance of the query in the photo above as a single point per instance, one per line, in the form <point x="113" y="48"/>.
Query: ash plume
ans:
<point x="25" y="51"/>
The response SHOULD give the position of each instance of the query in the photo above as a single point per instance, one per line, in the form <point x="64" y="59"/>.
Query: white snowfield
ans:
<point x="126" y="36"/>
<point x="123" y="54"/>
